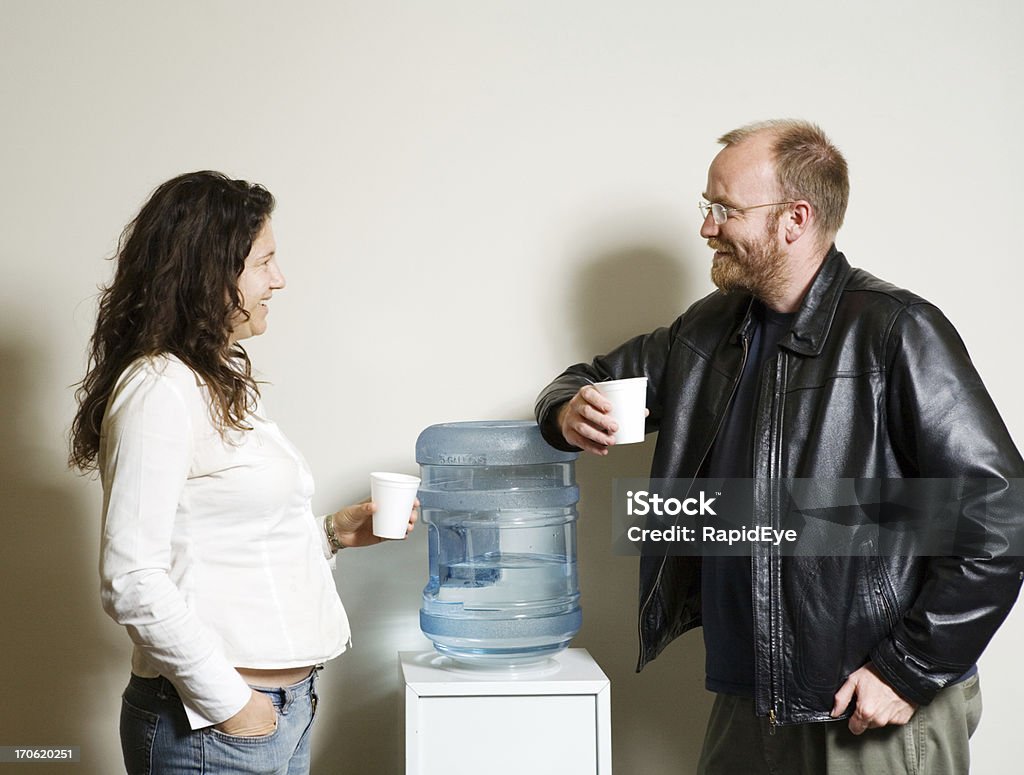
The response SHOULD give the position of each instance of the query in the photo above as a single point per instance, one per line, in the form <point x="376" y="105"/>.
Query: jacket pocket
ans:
<point x="839" y="619"/>
<point x="886" y="607"/>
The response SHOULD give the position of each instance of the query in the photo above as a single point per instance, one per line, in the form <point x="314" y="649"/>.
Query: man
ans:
<point x="801" y="367"/>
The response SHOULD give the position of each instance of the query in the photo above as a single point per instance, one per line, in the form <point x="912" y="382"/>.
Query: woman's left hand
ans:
<point x="354" y="524"/>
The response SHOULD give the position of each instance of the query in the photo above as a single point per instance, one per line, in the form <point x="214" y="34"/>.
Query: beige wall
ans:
<point x="472" y="195"/>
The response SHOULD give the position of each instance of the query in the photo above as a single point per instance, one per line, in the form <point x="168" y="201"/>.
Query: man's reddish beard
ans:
<point x="757" y="267"/>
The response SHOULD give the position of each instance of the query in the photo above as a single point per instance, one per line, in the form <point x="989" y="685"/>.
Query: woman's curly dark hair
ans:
<point x="175" y="291"/>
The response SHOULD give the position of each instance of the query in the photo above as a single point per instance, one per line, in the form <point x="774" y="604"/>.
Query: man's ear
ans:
<point x="799" y="220"/>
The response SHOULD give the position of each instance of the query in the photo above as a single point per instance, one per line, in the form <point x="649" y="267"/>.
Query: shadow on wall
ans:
<point x="658" y="716"/>
<point x="57" y="655"/>
<point x="626" y="291"/>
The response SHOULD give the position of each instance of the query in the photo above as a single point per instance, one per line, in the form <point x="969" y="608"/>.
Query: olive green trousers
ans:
<point x="934" y="742"/>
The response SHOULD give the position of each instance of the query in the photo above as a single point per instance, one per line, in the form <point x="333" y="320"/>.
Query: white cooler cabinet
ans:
<point x="554" y="721"/>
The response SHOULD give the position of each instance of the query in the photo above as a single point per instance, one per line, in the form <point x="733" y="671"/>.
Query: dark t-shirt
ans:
<point x="727" y="607"/>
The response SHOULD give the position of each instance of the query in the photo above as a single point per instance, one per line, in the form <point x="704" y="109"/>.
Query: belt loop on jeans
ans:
<point x="286" y="696"/>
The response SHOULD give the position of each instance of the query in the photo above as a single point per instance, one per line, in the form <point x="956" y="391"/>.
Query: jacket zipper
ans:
<point x="774" y="558"/>
<point x="718" y="427"/>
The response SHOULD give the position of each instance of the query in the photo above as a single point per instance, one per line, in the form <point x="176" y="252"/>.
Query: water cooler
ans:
<point x="501" y="693"/>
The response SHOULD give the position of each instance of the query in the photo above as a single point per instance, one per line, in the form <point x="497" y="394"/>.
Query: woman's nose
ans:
<point x="277" y="281"/>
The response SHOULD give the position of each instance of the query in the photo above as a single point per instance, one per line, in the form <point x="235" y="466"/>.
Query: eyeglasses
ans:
<point x="721" y="213"/>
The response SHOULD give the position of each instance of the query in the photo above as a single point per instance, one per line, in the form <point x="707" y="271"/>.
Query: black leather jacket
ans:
<point x="871" y="382"/>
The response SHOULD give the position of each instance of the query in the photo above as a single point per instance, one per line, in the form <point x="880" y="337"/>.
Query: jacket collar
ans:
<point x="818" y="309"/>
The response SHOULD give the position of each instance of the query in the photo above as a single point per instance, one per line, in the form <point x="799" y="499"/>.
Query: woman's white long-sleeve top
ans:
<point x="211" y="556"/>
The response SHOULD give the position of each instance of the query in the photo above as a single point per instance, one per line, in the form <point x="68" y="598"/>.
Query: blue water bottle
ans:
<point x="500" y="508"/>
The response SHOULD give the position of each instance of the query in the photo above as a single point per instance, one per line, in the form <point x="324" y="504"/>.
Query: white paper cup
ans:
<point x="629" y="400"/>
<point x="393" y="495"/>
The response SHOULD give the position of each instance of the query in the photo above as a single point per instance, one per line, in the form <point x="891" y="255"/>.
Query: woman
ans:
<point x="211" y="556"/>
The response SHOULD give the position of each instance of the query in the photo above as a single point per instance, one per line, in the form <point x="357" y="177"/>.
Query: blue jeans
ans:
<point x="156" y="738"/>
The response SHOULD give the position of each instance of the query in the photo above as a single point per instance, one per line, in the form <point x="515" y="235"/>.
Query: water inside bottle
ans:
<point x="508" y="579"/>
